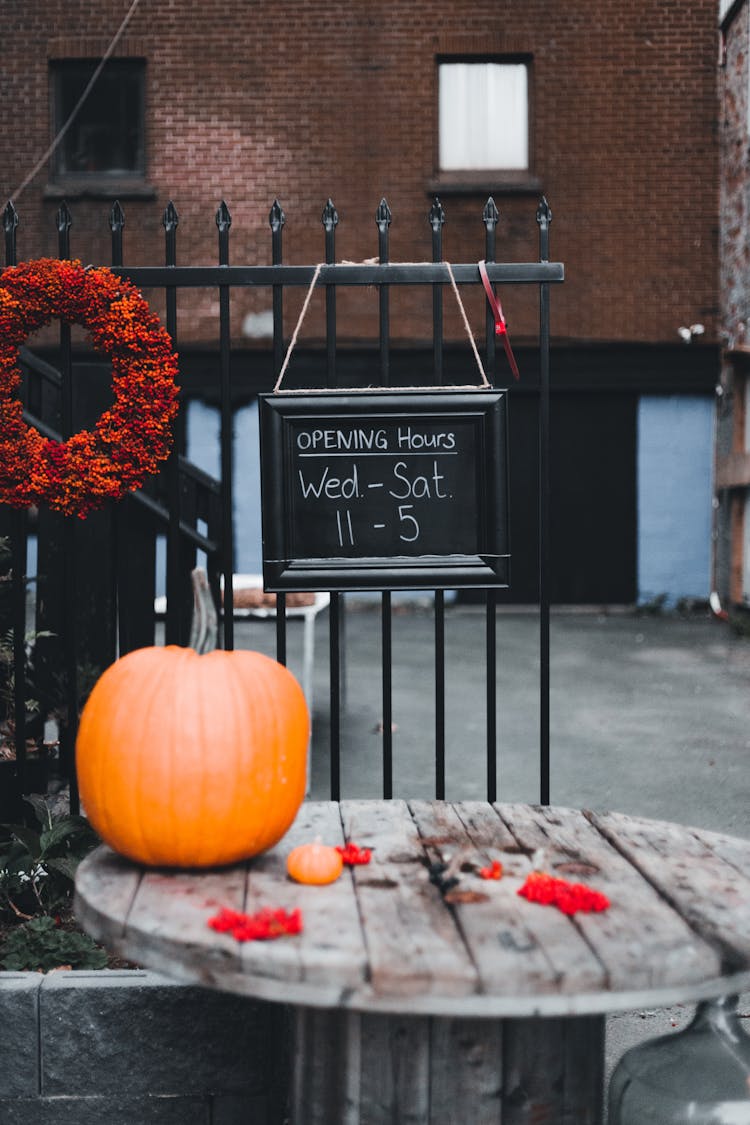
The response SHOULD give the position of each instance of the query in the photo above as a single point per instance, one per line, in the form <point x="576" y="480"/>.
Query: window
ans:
<point x="483" y="116"/>
<point x="106" y="137"/>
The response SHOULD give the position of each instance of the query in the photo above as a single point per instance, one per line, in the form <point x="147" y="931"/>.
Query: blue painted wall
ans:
<point x="674" y="496"/>
<point x="674" y="469"/>
<point x="203" y="425"/>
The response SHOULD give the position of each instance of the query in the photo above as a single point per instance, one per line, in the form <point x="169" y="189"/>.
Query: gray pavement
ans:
<point x="649" y="715"/>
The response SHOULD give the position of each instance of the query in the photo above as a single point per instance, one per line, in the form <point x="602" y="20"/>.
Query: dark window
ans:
<point x="106" y="136"/>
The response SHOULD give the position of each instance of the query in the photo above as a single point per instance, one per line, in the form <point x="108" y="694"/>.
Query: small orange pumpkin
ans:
<point x="193" y="761"/>
<point x="314" y="863"/>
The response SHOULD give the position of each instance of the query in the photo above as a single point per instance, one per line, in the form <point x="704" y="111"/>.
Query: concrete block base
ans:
<point x="132" y="1046"/>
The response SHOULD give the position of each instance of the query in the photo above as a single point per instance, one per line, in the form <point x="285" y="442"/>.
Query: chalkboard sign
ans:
<point x="384" y="490"/>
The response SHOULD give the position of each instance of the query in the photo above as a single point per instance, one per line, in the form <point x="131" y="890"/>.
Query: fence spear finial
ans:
<point x="276" y="216"/>
<point x="116" y="217"/>
<point x="383" y="216"/>
<point x="64" y="218"/>
<point x="10" y="217"/>
<point x="544" y="218"/>
<point x="10" y="222"/>
<point x="543" y="213"/>
<point x="330" y="216"/>
<point x="436" y="216"/>
<point x="170" y="218"/>
<point x="223" y="218"/>
<point x="490" y="215"/>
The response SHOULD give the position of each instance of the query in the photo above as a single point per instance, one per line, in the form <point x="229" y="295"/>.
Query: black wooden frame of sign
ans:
<point x="461" y="443"/>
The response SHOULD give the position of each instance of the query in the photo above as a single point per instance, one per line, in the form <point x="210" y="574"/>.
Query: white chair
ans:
<point x="203" y="632"/>
<point x="308" y="613"/>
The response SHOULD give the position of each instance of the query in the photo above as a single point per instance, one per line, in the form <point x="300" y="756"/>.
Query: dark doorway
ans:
<point x="593" y="522"/>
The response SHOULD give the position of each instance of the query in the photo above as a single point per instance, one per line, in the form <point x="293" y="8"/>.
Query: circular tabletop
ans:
<point x="399" y="935"/>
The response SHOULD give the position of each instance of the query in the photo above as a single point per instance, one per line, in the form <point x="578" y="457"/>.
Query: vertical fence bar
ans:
<point x="330" y="221"/>
<point x="277" y="219"/>
<point x="437" y="221"/>
<point x="173" y="623"/>
<point x="68" y="616"/>
<point x="334" y="637"/>
<point x="19" y="550"/>
<point x="491" y="647"/>
<point x="383" y="219"/>
<point x="224" y="222"/>
<point x="490" y="217"/>
<point x="440" y="695"/>
<point x="19" y="547"/>
<point x="120" y="513"/>
<point x="281" y="628"/>
<point x="544" y="218"/>
<point x="386" y="630"/>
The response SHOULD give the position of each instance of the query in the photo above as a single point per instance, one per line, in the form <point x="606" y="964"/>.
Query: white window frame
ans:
<point x="483" y="115"/>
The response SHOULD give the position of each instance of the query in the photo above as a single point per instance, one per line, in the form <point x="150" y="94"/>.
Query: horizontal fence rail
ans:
<point x="191" y="512"/>
<point x="413" y="273"/>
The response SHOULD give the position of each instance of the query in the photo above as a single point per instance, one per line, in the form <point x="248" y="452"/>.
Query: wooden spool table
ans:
<point x="410" y="1007"/>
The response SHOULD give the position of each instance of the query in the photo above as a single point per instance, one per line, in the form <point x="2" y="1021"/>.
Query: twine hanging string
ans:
<point x="469" y="333"/>
<point x="297" y="327"/>
<point x="303" y="312"/>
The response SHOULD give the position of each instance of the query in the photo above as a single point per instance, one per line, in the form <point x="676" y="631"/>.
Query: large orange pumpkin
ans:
<point x="193" y="761"/>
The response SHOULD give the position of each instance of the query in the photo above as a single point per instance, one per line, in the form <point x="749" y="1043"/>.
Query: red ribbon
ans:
<point x="501" y="328"/>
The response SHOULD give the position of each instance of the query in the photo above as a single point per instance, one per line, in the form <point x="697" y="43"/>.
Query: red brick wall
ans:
<point x="732" y="462"/>
<point x="302" y="100"/>
<point x="734" y="137"/>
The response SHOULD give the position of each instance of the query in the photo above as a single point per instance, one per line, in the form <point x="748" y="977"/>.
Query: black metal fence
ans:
<point x="102" y="570"/>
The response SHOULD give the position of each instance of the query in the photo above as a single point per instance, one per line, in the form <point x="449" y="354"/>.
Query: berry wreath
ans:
<point x="128" y="440"/>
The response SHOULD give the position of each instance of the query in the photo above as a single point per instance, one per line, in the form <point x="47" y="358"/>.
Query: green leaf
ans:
<point x="73" y="835"/>
<point x="28" y="837"/>
<point x="64" y="864"/>
<point x="40" y="944"/>
<point x="41" y="809"/>
<point x="58" y="833"/>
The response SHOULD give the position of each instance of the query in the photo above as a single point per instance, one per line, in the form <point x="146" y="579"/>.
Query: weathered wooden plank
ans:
<point x="640" y="939"/>
<point x="413" y="943"/>
<point x="395" y="1070"/>
<point x="466" y="1071"/>
<point x="695" y="874"/>
<point x="583" y="1070"/>
<point x="168" y="921"/>
<point x="553" y="1071"/>
<point x="517" y="951"/>
<point x="326" y="1068"/>
<point x="734" y="850"/>
<point x="106" y="885"/>
<point x="332" y="948"/>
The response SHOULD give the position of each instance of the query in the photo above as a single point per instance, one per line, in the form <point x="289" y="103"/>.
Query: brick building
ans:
<point x="607" y="109"/>
<point x="733" y="434"/>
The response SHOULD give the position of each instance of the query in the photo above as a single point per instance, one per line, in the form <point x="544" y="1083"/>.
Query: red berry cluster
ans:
<point x="353" y="855"/>
<point x="494" y="871"/>
<point x="265" y="924"/>
<point x="567" y="897"/>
